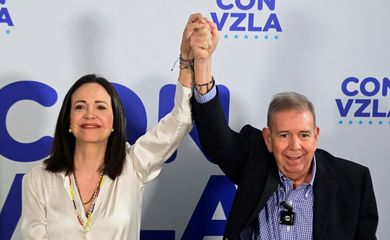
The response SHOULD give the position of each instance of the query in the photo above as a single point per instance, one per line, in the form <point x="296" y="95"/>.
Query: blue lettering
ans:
<point x="11" y="211"/>
<point x="251" y="26"/>
<point x="386" y="86"/>
<point x="270" y="4"/>
<point x="224" y="7"/>
<point x="363" y="87"/>
<point x="238" y="23"/>
<point x="240" y="17"/>
<point x="344" y="110"/>
<point x="5" y="17"/>
<point x="220" y="23"/>
<point x="272" y="22"/>
<point x="364" y="104"/>
<point x="375" y="109"/>
<point x="239" y="4"/>
<point x="246" y="7"/>
<point x="344" y="88"/>
<point x="136" y="120"/>
<point x="362" y="108"/>
<point x="219" y="189"/>
<point x="11" y="94"/>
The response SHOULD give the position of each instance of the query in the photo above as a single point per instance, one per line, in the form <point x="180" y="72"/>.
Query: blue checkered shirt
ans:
<point x="206" y="97"/>
<point x="301" y="199"/>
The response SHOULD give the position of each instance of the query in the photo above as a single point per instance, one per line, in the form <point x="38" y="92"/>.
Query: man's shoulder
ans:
<point x="338" y="165"/>
<point x="255" y="139"/>
<point x="250" y="130"/>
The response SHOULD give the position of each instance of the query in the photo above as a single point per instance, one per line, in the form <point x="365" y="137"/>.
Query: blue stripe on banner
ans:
<point x="11" y="211"/>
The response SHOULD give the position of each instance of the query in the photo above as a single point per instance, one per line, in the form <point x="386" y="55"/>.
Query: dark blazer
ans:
<point x="344" y="201"/>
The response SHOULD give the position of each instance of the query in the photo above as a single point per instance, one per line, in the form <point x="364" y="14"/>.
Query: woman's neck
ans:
<point x="89" y="157"/>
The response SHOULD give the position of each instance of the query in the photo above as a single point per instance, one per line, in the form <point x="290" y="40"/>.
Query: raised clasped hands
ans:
<point x="200" y="38"/>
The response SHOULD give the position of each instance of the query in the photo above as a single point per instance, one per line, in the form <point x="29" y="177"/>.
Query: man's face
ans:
<point x="292" y="138"/>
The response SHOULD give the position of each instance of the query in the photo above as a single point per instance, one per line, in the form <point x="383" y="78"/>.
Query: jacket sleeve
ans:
<point x="151" y="150"/>
<point x="368" y="216"/>
<point x="221" y="144"/>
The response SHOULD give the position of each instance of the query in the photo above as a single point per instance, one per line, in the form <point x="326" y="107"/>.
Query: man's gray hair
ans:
<point x="289" y="101"/>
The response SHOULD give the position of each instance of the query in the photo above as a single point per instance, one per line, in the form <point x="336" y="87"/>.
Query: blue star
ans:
<point x="256" y="37"/>
<point x="360" y="122"/>
<point x="341" y="122"/>
<point x="236" y="36"/>
<point x="246" y="36"/>
<point x="8" y="31"/>
<point x="380" y="122"/>
<point x="276" y="37"/>
<point x="266" y="36"/>
<point x="226" y="36"/>
<point x="370" y="122"/>
<point x="350" y="122"/>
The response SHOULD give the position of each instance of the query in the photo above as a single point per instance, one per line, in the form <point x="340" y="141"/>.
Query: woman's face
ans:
<point x="91" y="115"/>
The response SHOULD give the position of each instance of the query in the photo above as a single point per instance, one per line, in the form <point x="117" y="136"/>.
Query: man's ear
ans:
<point x="267" y="138"/>
<point x="316" y="135"/>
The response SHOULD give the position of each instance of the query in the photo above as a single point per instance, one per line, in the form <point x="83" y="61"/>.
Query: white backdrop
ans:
<point x="307" y="46"/>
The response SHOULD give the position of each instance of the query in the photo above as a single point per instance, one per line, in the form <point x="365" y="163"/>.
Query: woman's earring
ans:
<point x="70" y="130"/>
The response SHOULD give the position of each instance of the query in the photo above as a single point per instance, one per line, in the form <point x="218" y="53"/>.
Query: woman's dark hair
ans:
<point x="61" y="157"/>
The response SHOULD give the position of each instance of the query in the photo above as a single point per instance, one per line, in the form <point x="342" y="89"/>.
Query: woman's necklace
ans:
<point x="79" y="209"/>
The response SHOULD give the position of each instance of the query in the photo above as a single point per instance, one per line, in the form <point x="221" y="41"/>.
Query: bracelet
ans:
<point x="184" y="63"/>
<point x="204" y="84"/>
<point x="199" y="86"/>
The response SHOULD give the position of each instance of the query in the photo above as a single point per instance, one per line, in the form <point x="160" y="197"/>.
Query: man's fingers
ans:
<point x="195" y="17"/>
<point x="196" y="26"/>
<point x="213" y="29"/>
<point x="200" y="35"/>
<point x="201" y="42"/>
<point x="203" y="31"/>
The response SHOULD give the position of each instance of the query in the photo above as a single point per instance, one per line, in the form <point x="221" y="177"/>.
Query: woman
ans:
<point x="93" y="180"/>
<point x="91" y="185"/>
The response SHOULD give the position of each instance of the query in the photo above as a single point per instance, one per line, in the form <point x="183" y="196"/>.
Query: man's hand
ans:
<point x="204" y="40"/>
<point x="203" y="43"/>
<point x="199" y="40"/>
<point x="195" y="21"/>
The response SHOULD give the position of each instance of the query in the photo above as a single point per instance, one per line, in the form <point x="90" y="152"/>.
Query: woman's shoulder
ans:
<point x="40" y="183"/>
<point x="39" y="169"/>
<point x="39" y="173"/>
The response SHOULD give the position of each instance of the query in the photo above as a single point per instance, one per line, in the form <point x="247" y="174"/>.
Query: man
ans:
<point x="287" y="188"/>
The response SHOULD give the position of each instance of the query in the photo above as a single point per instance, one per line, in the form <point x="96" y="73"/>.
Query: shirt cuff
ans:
<point x="205" y="97"/>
